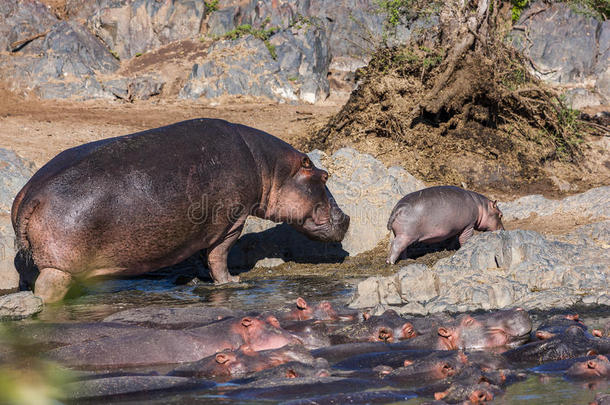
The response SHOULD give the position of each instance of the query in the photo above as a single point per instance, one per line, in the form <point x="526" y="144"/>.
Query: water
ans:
<point x="109" y="296"/>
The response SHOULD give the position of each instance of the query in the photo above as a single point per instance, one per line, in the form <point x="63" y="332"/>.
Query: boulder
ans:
<point x="502" y="269"/>
<point x="14" y="173"/>
<point x="19" y="305"/>
<point x="64" y="63"/>
<point x="132" y="27"/>
<point x="304" y="56"/>
<point x="23" y="19"/>
<point x="9" y="278"/>
<point x="141" y="87"/>
<point x="594" y="203"/>
<point x="364" y="189"/>
<point x="238" y="67"/>
<point x="568" y="47"/>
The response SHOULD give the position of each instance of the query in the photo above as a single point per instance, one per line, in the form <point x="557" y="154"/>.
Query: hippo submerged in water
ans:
<point x="438" y="213"/>
<point x="136" y="203"/>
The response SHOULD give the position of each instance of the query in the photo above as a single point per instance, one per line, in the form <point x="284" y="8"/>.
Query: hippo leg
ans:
<point x="399" y="244"/>
<point x="217" y="258"/>
<point x="52" y="285"/>
<point x="465" y="235"/>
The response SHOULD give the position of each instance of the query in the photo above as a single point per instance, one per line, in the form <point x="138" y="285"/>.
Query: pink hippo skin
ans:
<point x="438" y="213"/>
<point x="136" y="203"/>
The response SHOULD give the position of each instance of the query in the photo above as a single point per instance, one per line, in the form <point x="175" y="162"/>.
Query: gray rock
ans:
<point x="417" y="283"/>
<point x="9" y="278"/>
<point x="138" y="26"/>
<point x="20" y="20"/>
<point x="304" y="56"/>
<point x="14" y="173"/>
<point x="503" y="269"/>
<point x="19" y="305"/>
<point x="222" y="21"/>
<point x="569" y="48"/>
<point x="594" y="203"/>
<point x="364" y="189"/>
<point x="63" y="64"/>
<point x="367" y="191"/>
<point x="238" y="67"/>
<point x="562" y="41"/>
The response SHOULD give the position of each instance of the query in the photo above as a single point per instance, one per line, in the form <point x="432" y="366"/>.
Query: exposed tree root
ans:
<point x="465" y="102"/>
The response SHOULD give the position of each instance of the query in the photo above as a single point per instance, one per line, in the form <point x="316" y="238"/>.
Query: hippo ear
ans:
<point x="597" y="333"/>
<point x="272" y="320"/>
<point x="591" y="353"/>
<point x="306" y="163"/>
<point x="290" y="373"/>
<point x="246" y="322"/>
<point x="407" y="363"/>
<point x="440" y="395"/>
<point x="408" y="331"/>
<point x="366" y="315"/>
<point x="495" y="204"/>
<point x="301" y="304"/>
<point x="222" y="358"/>
<point x="444" y="332"/>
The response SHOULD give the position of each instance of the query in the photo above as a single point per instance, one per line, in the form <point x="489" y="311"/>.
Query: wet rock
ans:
<point x="19" y="305"/>
<point x="594" y="203"/>
<point x="364" y="189"/>
<point x="238" y="67"/>
<point x="63" y="64"/>
<point x="132" y="27"/>
<point x="568" y="48"/>
<point x="9" y="278"/>
<point x="501" y="269"/>
<point x="14" y="173"/>
<point x="20" y="20"/>
<point x="130" y="385"/>
<point x="170" y="318"/>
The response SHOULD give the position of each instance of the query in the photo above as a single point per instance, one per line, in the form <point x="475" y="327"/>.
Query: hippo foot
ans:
<point x="52" y="285"/>
<point x="229" y="279"/>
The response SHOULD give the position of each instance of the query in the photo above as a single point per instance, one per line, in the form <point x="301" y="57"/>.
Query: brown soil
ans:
<point x="39" y="129"/>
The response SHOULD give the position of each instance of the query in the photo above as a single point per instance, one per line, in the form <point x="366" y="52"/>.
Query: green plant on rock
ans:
<point x="395" y="9"/>
<point x="210" y="6"/>
<point x="262" y="34"/>
<point x="517" y="8"/>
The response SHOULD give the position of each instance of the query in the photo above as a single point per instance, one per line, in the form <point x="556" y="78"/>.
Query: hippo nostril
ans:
<point x="385" y="335"/>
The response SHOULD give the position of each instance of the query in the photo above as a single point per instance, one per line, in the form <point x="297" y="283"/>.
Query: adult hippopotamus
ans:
<point x="438" y="213"/>
<point x="139" y="202"/>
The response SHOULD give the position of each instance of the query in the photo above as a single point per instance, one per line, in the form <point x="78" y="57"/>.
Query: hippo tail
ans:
<point x="393" y="216"/>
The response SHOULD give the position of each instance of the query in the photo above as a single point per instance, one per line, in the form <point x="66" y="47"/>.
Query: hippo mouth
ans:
<point x="332" y="229"/>
<point x="498" y="337"/>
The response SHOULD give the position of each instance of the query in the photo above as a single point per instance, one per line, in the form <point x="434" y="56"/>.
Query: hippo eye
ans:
<point x="306" y="163"/>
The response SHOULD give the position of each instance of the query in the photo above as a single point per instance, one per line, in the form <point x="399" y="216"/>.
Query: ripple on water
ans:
<point x="106" y="297"/>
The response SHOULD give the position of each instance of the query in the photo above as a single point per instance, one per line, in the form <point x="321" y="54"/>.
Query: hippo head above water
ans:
<point x="304" y="201"/>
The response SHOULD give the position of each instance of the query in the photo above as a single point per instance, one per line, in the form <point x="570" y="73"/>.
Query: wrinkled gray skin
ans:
<point x="136" y="203"/>
<point x="438" y="213"/>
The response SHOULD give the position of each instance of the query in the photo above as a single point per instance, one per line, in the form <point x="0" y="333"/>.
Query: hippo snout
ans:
<point x="339" y="224"/>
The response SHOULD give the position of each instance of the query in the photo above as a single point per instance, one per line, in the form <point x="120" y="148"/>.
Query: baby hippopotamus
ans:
<point x="438" y="213"/>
